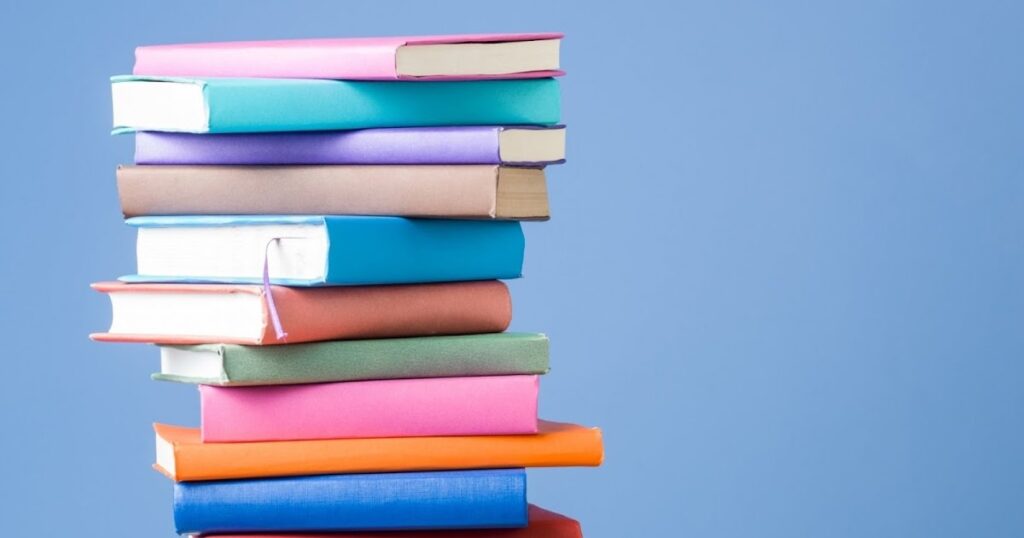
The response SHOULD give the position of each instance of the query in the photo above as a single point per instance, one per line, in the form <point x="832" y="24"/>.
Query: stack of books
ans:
<point x="323" y="226"/>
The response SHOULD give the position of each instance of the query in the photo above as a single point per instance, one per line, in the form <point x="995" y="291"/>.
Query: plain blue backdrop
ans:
<point x="784" y="271"/>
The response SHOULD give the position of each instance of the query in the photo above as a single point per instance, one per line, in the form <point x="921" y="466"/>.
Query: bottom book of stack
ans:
<point x="542" y="524"/>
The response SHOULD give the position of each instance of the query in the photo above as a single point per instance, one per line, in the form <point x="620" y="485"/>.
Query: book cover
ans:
<point x="385" y="501"/>
<point x="432" y="191"/>
<point x="542" y="524"/>
<point x="242" y="105"/>
<point x="324" y="250"/>
<point x="357" y="360"/>
<point x="360" y="58"/>
<point x="215" y="313"/>
<point x="486" y="405"/>
<point x="182" y="456"/>
<point x="399" y="145"/>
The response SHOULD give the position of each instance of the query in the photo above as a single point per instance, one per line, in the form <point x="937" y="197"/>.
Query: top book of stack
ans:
<point x="454" y="57"/>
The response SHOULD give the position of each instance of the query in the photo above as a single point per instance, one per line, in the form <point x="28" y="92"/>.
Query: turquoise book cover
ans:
<point x="242" y="105"/>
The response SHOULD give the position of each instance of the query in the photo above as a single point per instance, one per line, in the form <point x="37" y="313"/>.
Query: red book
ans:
<point x="543" y="524"/>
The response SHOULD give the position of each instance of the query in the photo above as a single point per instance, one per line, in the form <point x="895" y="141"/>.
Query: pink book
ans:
<point x="453" y="57"/>
<point x="487" y="405"/>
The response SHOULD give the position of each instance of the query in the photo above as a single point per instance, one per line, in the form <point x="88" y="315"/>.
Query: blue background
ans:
<point x="784" y="272"/>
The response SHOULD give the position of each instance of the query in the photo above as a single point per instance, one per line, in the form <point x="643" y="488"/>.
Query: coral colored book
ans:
<point x="486" y="405"/>
<point x="520" y="145"/>
<point x="361" y="58"/>
<point x="542" y="524"/>
<point x="258" y="105"/>
<point x="488" y="498"/>
<point x="237" y="314"/>
<point x="182" y="456"/>
<point x="433" y="191"/>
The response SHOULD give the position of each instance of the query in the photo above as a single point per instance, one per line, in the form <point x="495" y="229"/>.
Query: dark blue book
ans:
<point x="494" y="498"/>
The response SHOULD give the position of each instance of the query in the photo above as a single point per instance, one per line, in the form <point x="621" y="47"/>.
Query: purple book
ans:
<point x="511" y="145"/>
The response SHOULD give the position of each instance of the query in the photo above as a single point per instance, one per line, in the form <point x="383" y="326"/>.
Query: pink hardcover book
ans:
<point x="487" y="405"/>
<point x="453" y="57"/>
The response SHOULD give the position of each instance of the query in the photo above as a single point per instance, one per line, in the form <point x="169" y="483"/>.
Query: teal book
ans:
<point x="324" y="250"/>
<point x="356" y="360"/>
<point x="249" y="105"/>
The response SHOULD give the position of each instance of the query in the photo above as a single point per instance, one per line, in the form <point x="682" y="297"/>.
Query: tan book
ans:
<point x="430" y="191"/>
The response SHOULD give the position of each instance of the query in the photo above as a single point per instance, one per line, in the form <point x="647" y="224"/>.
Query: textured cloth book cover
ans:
<point x="434" y="191"/>
<point x="360" y="360"/>
<point x="486" y="405"/>
<point x="182" y="456"/>
<point x="313" y="314"/>
<point x="385" y="501"/>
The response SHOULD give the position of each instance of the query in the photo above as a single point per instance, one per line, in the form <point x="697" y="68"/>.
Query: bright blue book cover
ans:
<point x="324" y="250"/>
<point x="494" y="498"/>
<point x="241" y="105"/>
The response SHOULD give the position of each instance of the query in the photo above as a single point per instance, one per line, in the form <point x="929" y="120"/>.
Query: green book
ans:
<point x="356" y="360"/>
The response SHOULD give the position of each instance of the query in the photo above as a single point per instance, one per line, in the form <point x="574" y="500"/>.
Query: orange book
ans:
<point x="183" y="457"/>
<point x="543" y="524"/>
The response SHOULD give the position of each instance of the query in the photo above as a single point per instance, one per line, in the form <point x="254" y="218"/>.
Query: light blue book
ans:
<point x="324" y="250"/>
<point x="245" y="105"/>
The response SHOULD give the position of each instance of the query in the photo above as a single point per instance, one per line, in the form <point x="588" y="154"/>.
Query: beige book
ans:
<point x="430" y="191"/>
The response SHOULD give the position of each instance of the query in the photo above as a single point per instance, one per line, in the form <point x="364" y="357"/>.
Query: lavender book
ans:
<point x="515" y="145"/>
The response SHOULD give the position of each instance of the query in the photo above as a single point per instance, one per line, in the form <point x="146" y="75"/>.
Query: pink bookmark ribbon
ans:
<point x="275" y="319"/>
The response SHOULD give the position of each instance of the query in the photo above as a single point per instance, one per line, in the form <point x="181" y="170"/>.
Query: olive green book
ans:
<point x="356" y="360"/>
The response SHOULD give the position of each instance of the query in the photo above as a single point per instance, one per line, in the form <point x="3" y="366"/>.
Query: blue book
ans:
<point x="494" y="498"/>
<point x="324" y="250"/>
<point x="246" y="105"/>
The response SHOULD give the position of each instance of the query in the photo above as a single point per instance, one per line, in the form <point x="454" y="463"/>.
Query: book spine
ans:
<point x="388" y="501"/>
<point x="412" y="145"/>
<point x="318" y="105"/>
<point x="389" y="358"/>
<point x="436" y="191"/>
<point x="421" y="250"/>
<point x="487" y="405"/>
